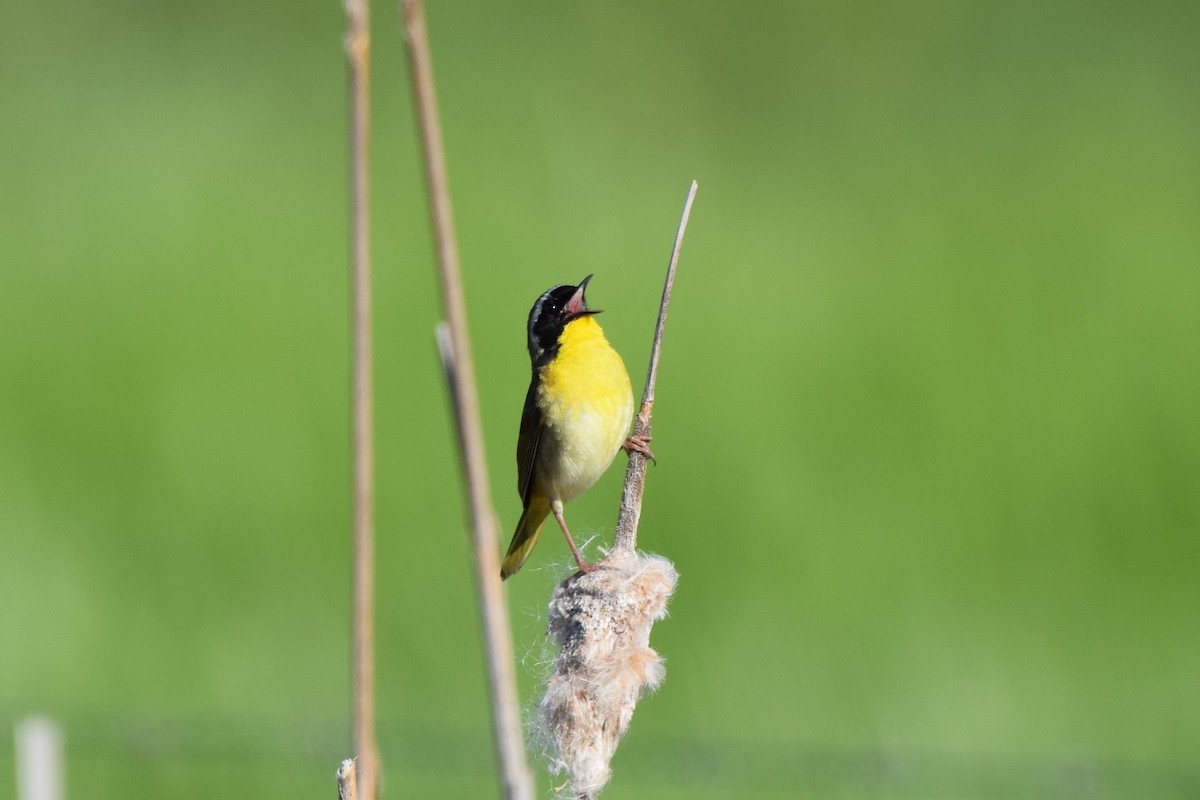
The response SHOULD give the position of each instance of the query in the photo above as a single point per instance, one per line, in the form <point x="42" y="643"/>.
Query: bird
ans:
<point x="576" y="416"/>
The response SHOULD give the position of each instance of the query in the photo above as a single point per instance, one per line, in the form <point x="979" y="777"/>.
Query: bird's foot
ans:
<point x="639" y="444"/>
<point x="584" y="565"/>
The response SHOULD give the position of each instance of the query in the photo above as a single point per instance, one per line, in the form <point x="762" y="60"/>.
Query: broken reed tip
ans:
<point x="347" y="778"/>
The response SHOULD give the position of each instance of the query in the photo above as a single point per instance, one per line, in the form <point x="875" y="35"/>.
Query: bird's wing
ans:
<point x="527" y="441"/>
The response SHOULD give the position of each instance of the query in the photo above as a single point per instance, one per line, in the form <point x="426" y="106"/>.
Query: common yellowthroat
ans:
<point x="576" y="417"/>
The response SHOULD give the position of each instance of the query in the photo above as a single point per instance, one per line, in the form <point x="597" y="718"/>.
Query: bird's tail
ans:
<point x="529" y="530"/>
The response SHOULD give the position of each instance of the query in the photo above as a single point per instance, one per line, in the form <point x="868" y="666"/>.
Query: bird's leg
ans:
<point x="639" y="444"/>
<point x="584" y="566"/>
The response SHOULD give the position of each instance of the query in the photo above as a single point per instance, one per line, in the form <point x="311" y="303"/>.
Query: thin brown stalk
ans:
<point x="625" y="535"/>
<point x="358" y="48"/>
<point x="454" y="343"/>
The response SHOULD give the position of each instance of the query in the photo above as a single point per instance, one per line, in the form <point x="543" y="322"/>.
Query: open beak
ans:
<point x="577" y="306"/>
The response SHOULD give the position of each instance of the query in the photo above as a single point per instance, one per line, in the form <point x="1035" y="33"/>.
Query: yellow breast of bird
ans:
<point x="587" y="405"/>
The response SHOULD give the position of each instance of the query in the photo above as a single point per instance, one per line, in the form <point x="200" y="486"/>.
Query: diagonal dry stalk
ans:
<point x="358" y="48"/>
<point x="455" y="346"/>
<point x="625" y="536"/>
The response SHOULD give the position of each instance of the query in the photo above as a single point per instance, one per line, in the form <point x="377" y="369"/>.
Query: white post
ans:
<point x="39" y="751"/>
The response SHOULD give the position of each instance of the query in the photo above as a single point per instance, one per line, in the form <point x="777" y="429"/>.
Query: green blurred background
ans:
<point x="927" y="421"/>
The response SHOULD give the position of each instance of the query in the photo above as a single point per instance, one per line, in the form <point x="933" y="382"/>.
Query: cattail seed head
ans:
<point x="601" y="621"/>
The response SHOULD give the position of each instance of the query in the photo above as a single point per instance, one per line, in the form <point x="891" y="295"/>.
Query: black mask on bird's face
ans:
<point x="550" y="315"/>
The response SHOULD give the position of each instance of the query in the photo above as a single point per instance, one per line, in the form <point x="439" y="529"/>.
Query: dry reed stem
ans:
<point x="455" y="348"/>
<point x="625" y="535"/>
<point x="602" y="620"/>
<point x="358" y="48"/>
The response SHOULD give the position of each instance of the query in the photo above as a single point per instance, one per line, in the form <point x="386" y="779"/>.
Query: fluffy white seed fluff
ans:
<point x="601" y="621"/>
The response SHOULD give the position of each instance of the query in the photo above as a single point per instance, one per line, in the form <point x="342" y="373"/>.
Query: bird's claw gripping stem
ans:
<point x="639" y="444"/>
